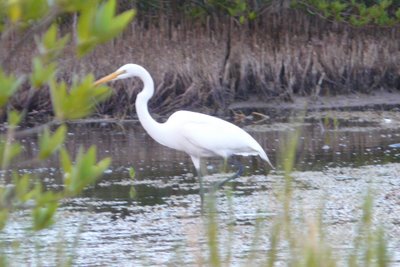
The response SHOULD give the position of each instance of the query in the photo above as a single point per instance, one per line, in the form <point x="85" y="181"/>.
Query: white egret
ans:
<point x="197" y="134"/>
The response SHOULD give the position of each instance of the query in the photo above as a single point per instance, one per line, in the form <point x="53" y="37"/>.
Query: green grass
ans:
<point x="300" y="238"/>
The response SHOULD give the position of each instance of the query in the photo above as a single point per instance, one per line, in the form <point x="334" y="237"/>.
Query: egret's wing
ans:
<point x="213" y="136"/>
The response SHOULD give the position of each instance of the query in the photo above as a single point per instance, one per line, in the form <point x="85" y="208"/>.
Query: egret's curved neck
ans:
<point x="149" y="124"/>
<point x="148" y="86"/>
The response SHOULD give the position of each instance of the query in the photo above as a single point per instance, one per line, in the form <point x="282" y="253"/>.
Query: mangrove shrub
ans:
<point x="41" y="20"/>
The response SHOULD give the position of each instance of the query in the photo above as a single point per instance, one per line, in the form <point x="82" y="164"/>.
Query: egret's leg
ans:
<point x="225" y="166"/>
<point x="197" y="164"/>
<point x="239" y="165"/>
<point x="201" y="190"/>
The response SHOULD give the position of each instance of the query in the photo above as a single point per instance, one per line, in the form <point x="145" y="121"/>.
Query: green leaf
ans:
<point x="14" y="117"/>
<point x="42" y="74"/>
<point x="8" y="86"/>
<point x="85" y="22"/>
<point x="367" y="208"/>
<point x="85" y="172"/>
<point x="397" y="14"/>
<point x="14" y="11"/>
<point x="374" y="11"/>
<point x="359" y="21"/>
<point x="76" y="5"/>
<point x="50" y="37"/>
<point x="382" y="248"/>
<point x="323" y="6"/>
<point x="132" y="192"/>
<point x="23" y="188"/>
<point x="58" y="92"/>
<point x="43" y="215"/>
<point x="51" y="46"/>
<point x="252" y="15"/>
<point x="103" y="17"/>
<point x="8" y="151"/>
<point x="97" y="25"/>
<point x="119" y="23"/>
<point x="65" y="161"/>
<point x="46" y="203"/>
<point x="48" y="143"/>
<point x="27" y="10"/>
<point x="80" y="101"/>
<point x="3" y="217"/>
<point x="132" y="173"/>
<point x="338" y="7"/>
<point x="384" y="4"/>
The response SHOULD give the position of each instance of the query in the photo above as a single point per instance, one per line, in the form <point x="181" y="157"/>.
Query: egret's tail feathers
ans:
<point x="260" y="153"/>
<point x="264" y="156"/>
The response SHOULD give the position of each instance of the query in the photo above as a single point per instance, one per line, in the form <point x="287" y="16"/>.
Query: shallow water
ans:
<point x="336" y="163"/>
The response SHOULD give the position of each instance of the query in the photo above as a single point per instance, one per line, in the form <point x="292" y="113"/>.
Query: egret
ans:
<point x="199" y="135"/>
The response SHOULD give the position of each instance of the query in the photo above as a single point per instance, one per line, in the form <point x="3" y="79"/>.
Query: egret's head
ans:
<point x="126" y="71"/>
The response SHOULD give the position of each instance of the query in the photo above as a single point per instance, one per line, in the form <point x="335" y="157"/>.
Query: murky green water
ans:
<point x="163" y="225"/>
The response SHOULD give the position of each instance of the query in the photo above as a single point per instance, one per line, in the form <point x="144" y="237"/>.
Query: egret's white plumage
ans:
<point x="197" y="134"/>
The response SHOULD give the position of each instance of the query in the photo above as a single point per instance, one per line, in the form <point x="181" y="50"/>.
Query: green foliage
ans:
<point x="14" y="118"/>
<point x="26" y="11"/>
<point x="84" y="172"/>
<point x="237" y="8"/>
<point x="132" y="190"/>
<point x="132" y="173"/>
<point x="377" y="12"/>
<point x="45" y="208"/>
<point x="357" y="13"/>
<point x="241" y="10"/>
<point x="212" y="231"/>
<point x="8" y="151"/>
<point x="42" y="74"/>
<point x="97" y="23"/>
<point x="23" y="188"/>
<point x="8" y="86"/>
<point x="3" y="216"/>
<point x="48" y="143"/>
<point x="76" y="5"/>
<point x="79" y="101"/>
<point x="398" y="14"/>
<point x="370" y="245"/>
<point x="381" y="248"/>
<point x="51" y="46"/>
<point x="44" y="66"/>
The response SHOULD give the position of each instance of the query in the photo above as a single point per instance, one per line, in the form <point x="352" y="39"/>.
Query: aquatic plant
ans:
<point x="97" y="23"/>
<point x="303" y="238"/>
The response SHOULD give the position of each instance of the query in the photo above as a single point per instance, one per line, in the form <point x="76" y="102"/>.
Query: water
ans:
<point x="163" y="224"/>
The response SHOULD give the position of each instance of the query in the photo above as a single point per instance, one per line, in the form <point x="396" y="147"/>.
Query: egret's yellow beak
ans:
<point x="109" y="77"/>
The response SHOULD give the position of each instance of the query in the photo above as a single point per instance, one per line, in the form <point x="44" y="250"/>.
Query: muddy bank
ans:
<point x="258" y="112"/>
<point x="273" y="110"/>
<point x="379" y="101"/>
